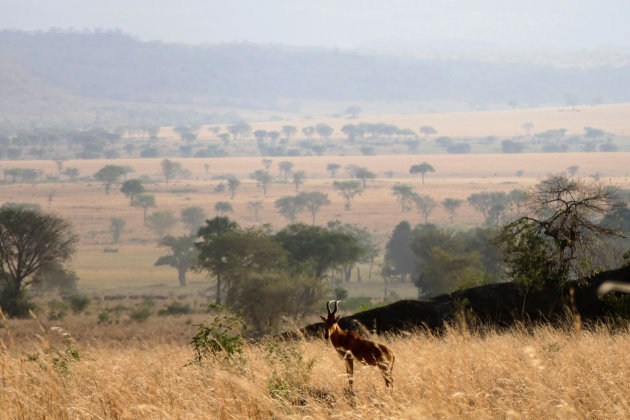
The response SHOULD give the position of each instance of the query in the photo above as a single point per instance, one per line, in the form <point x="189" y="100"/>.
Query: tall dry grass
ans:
<point x="537" y="373"/>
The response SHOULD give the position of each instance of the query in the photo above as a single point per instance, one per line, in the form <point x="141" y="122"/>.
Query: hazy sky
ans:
<point x="340" y="23"/>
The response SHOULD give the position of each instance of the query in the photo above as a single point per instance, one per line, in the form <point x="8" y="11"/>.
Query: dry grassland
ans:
<point x="457" y="176"/>
<point x="541" y="373"/>
<point x="612" y="118"/>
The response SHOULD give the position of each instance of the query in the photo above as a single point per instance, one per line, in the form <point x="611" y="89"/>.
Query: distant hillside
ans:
<point x="116" y="66"/>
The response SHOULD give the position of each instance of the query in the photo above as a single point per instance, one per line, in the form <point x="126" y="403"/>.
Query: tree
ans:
<point x="256" y="206"/>
<point x="289" y="131"/>
<point x="240" y="129"/>
<point x="404" y="195"/>
<point x="171" y="170"/>
<point x="511" y="146"/>
<point x="324" y="130"/>
<point x="192" y="218"/>
<point x="233" y="185"/>
<point x="333" y="168"/>
<point x="289" y="207"/>
<point x="223" y="207"/>
<point x="263" y="179"/>
<point x="131" y="188"/>
<point x="399" y="258"/>
<point x="298" y="179"/>
<point x="116" y="227"/>
<point x="518" y="197"/>
<point x="353" y="111"/>
<point x="109" y="175"/>
<point x="451" y="205"/>
<point x="421" y="169"/>
<point x="364" y="174"/>
<point x="30" y="241"/>
<point x="144" y="201"/>
<point x="571" y="100"/>
<point x="425" y="204"/>
<point x="313" y="201"/>
<point x="285" y="169"/>
<point x="183" y="255"/>
<point x="427" y="130"/>
<point x="557" y="240"/>
<point x="161" y="222"/>
<point x="313" y="250"/>
<point x="528" y="126"/>
<point x="573" y="170"/>
<point x="308" y="131"/>
<point x="348" y="189"/>
<point x="490" y="204"/>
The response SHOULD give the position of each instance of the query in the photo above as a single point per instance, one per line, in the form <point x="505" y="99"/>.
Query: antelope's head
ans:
<point x="331" y="321"/>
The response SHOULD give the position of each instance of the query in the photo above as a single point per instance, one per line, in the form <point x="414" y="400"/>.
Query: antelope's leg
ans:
<point x="349" y="367"/>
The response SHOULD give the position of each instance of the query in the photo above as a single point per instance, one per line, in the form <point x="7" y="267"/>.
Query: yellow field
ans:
<point x="457" y="176"/>
<point x="546" y="373"/>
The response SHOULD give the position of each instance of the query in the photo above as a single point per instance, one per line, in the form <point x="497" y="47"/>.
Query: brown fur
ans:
<point x="351" y="346"/>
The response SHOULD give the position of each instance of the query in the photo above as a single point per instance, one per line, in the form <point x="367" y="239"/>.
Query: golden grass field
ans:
<point x="148" y="373"/>
<point x="90" y="210"/>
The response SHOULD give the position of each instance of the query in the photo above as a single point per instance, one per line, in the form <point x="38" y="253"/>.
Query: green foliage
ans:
<point x="175" y="308"/>
<point x="222" y="339"/>
<point x="161" y="222"/>
<point x="109" y="175"/>
<point x="54" y="277"/>
<point x="288" y="381"/>
<point x="616" y="306"/>
<point x="340" y="293"/>
<point x="78" y="303"/>
<point x="143" y="312"/>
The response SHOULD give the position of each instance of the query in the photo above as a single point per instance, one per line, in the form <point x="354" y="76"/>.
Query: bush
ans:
<point x="15" y="306"/>
<point x="175" y="308"/>
<point x="78" y="303"/>
<point x="223" y="338"/>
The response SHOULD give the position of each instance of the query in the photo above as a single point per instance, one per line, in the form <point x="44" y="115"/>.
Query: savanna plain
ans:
<point x="118" y="365"/>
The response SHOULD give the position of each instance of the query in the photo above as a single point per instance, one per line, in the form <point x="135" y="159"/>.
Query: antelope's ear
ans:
<point x="323" y="319"/>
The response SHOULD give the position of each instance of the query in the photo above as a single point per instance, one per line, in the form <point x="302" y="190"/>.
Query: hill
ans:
<point x="116" y="67"/>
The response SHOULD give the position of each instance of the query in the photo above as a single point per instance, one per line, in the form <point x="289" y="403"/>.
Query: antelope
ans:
<point x="351" y="346"/>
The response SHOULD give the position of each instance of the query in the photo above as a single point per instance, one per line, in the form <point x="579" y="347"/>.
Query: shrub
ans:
<point x="223" y="338"/>
<point x="78" y="303"/>
<point x="175" y="308"/>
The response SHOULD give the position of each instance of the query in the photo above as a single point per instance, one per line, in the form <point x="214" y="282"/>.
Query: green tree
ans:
<point x="161" y="222"/>
<point x="421" y="169"/>
<point x="451" y="205"/>
<point x="324" y="130"/>
<point x="233" y="185"/>
<point x="289" y="131"/>
<point x="353" y="111"/>
<point x="263" y="179"/>
<point x="286" y="168"/>
<point x="333" y="168"/>
<point x="404" y="195"/>
<point x="348" y="189"/>
<point x="240" y="129"/>
<point x="29" y="241"/>
<point x="313" y="201"/>
<point x="116" y="227"/>
<point x="491" y="204"/>
<point x="131" y="188"/>
<point x="298" y="179"/>
<point x="556" y="241"/>
<point x="313" y="250"/>
<point x="364" y="175"/>
<point x="110" y="174"/>
<point x="172" y="169"/>
<point x="255" y="205"/>
<point x="399" y="258"/>
<point x="425" y="204"/>
<point x="528" y="127"/>
<point x="289" y="207"/>
<point x="192" y="218"/>
<point x="144" y="201"/>
<point x="223" y="207"/>
<point x="183" y="255"/>
<point x="427" y="130"/>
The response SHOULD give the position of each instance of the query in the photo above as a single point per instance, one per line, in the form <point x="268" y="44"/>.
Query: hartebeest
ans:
<point x="351" y="346"/>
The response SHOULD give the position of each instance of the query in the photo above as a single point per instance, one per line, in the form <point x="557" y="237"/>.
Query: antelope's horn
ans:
<point x="328" y="306"/>
<point x="336" y="307"/>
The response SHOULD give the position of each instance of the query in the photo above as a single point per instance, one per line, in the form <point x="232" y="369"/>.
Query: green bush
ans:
<point x="223" y="338"/>
<point x="78" y="303"/>
<point x="175" y="308"/>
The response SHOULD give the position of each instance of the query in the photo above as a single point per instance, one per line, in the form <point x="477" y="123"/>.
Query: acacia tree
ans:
<point x="116" y="227"/>
<point x="233" y="184"/>
<point x="333" y="168"/>
<point x="298" y="179"/>
<point x="161" y="222"/>
<point x="29" y="242"/>
<point x="404" y="195"/>
<point x="348" y="189"/>
<point x="313" y="201"/>
<point x="451" y="205"/>
<point x="364" y="175"/>
<point x="223" y="207"/>
<point x="110" y="174"/>
<point x="256" y="206"/>
<point x="427" y="130"/>
<point x="285" y="168"/>
<point x="144" y="201"/>
<point x="182" y="257"/>
<point x="131" y="188"/>
<point x="425" y="204"/>
<point x="192" y="218"/>
<point x="289" y="207"/>
<point x="421" y="169"/>
<point x="557" y="239"/>
<point x="491" y="204"/>
<point x="263" y="179"/>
